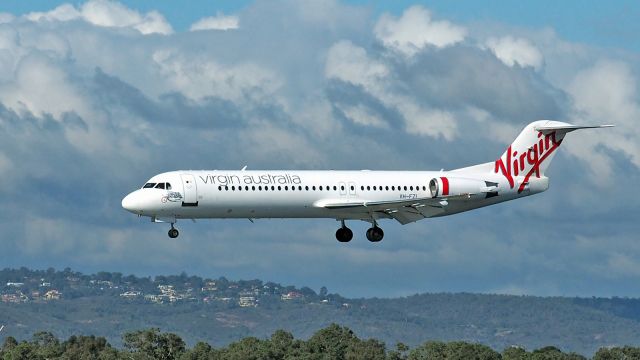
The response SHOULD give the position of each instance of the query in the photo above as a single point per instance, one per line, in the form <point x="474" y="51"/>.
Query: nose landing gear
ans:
<point x="173" y="232"/>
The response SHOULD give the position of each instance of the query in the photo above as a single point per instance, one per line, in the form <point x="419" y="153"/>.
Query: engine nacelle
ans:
<point x="448" y="186"/>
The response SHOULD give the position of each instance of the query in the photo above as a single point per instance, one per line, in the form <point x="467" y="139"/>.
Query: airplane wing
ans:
<point x="404" y="211"/>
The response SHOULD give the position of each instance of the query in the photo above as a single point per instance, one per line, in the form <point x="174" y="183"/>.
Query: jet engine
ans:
<point x="447" y="186"/>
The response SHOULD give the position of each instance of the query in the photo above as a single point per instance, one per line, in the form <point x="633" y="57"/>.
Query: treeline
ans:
<point x="332" y="342"/>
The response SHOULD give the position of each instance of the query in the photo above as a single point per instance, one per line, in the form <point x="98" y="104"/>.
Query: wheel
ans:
<point x="344" y="234"/>
<point x="375" y="234"/>
<point x="173" y="233"/>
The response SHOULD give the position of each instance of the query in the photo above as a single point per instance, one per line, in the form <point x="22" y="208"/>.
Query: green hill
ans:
<point x="209" y="310"/>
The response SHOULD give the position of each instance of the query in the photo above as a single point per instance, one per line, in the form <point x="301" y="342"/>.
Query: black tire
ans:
<point x="375" y="234"/>
<point x="173" y="233"/>
<point x="344" y="234"/>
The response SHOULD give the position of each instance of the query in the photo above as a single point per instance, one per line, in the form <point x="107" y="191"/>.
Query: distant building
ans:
<point x="15" y="284"/>
<point x="247" y="301"/>
<point x="14" y="298"/>
<point x="292" y="295"/>
<point x="52" y="295"/>
<point x="131" y="294"/>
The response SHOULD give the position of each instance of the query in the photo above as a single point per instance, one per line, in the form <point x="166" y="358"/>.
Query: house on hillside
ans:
<point x="52" y="295"/>
<point x="291" y="295"/>
<point x="247" y="301"/>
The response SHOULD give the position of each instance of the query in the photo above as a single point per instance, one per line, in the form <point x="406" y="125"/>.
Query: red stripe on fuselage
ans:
<point x="445" y="186"/>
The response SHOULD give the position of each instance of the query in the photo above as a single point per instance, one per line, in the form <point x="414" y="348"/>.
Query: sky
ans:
<point x="98" y="96"/>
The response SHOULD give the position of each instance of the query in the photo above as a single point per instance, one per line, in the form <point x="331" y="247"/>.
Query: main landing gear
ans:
<point x="173" y="232"/>
<point x="374" y="234"/>
<point x="344" y="234"/>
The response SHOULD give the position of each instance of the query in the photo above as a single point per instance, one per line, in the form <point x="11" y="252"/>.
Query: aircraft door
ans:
<point x="190" y="190"/>
<point x="352" y="189"/>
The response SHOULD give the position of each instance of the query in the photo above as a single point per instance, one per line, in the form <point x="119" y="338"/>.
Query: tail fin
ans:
<point x="532" y="151"/>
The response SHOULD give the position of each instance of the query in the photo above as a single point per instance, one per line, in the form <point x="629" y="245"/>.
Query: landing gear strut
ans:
<point x="375" y="234"/>
<point x="173" y="232"/>
<point x="344" y="234"/>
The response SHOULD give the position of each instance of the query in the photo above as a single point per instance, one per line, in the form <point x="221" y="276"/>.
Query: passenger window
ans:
<point x="300" y="187"/>
<point x="149" y="185"/>
<point x="386" y="188"/>
<point x="226" y="188"/>
<point x="405" y="188"/>
<point x="233" y="188"/>
<point x="320" y="187"/>
<point x="219" y="187"/>
<point x="411" y="188"/>
<point x="273" y="187"/>
<point x="374" y="187"/>
<point x="353" y="187"/>
<point x="361" y="188"/>
<point x="342" y="187"/>
<point x="306" y="187"/>
<point x="279" y="188"/>
<point x="368" y="187"/>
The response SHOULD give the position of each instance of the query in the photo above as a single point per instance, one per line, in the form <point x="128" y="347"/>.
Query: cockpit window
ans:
<point x="168" y="186"/>
<point x="160" y="186"/>
<point x="149" y="185"/>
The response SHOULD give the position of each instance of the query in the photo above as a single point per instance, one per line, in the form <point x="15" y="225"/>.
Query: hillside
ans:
<point x="221" y="311"/>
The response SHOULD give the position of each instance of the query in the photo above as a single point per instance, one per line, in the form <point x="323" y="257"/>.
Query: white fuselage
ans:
<point x="293" y="194"/>
<point x="405" y="196"/>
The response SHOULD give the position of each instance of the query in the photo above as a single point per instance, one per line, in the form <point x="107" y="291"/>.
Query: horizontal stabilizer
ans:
<point x="558" y="126"/>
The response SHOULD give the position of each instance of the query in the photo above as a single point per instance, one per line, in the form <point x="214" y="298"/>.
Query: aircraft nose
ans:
<point x="130" y="203"/>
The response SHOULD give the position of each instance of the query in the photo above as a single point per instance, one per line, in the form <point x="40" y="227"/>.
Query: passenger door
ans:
<point x="190" y="190"/>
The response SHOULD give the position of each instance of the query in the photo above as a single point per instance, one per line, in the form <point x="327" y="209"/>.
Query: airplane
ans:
<point x="406" y="196"/>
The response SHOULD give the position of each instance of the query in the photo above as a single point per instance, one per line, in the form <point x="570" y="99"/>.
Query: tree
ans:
<point x="154" y="344"/>
<point x="456" y="350"/>
<point x="617" y="353"/>
<point x="515" y="353"/>
<point x="201" y="351"/>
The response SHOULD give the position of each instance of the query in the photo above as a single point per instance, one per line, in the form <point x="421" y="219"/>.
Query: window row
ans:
<point x="320" y="188"/>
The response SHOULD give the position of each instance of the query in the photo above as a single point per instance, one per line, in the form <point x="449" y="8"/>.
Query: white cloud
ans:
<point x="361" y="115"/>
<point x="350" y="63"/>
<point x="607" y="93"/>
<point x="416" y="29"/>
<point x="64" y="12"/>
<point x="513" y="51"/>
<point x="109" y="14"/>
<point x="429" y="122"/>
<point x="218" y="22"/>
<point x="198" y="77"/>
<point x="6" y="18"/>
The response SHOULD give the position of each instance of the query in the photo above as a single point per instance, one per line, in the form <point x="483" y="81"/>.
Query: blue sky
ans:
<point x="590" y="21"/>
<point x="98" y="96"/>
